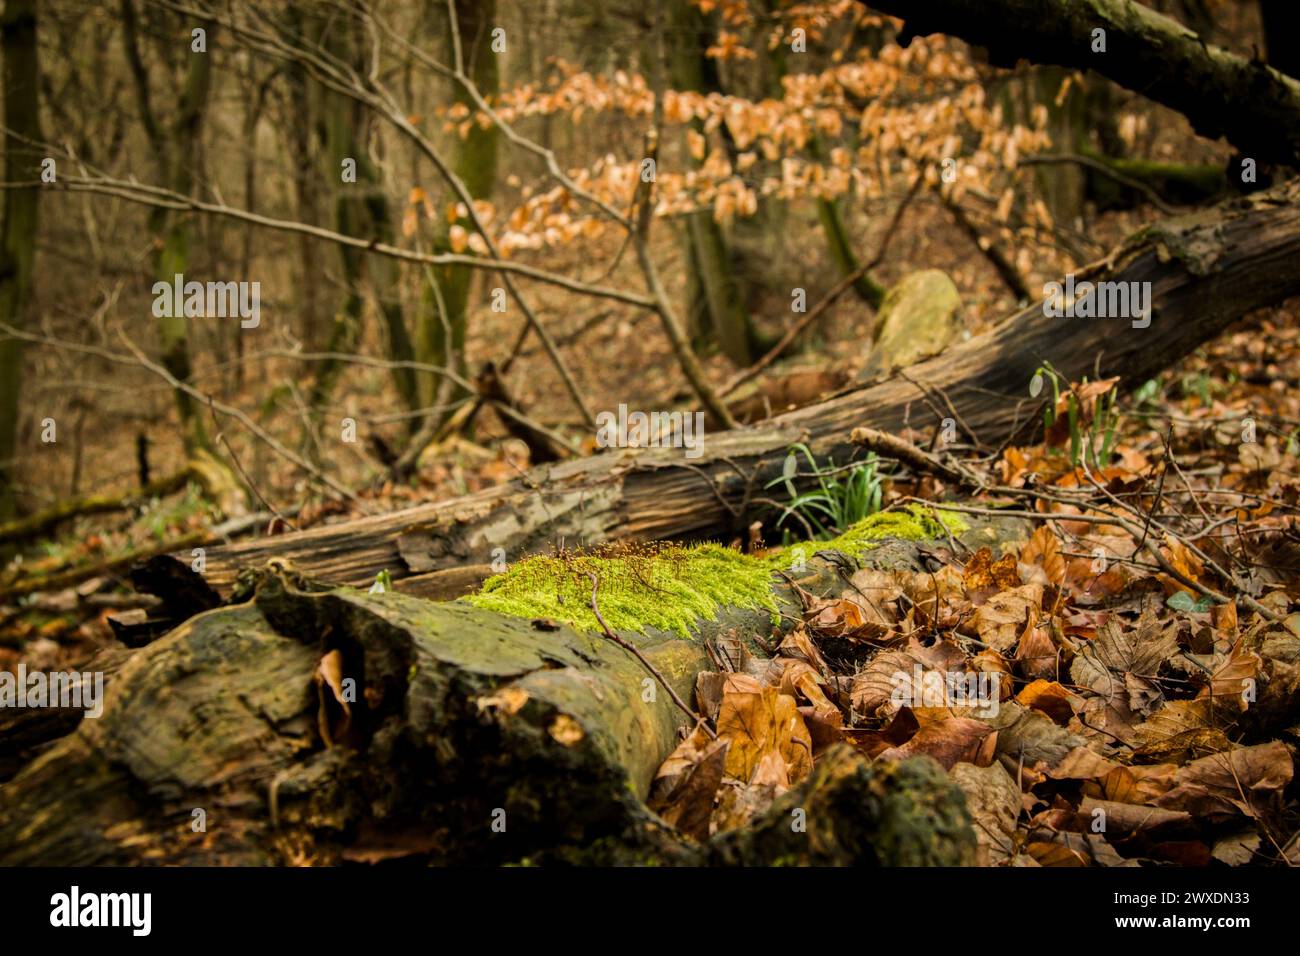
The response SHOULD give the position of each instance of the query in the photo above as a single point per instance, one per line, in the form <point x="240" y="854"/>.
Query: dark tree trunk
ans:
<point x="1255" y="106"/>
<point x="18" y="223"/>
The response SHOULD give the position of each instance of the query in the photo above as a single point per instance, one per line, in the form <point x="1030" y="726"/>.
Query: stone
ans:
<point x="920" y="317"/>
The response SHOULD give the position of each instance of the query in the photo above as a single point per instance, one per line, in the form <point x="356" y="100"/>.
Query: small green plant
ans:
<point x="1201" y="386"/>
<point x="1094" y="444"/>
<point x="1149" y="394"/>
<point x="1182" y="601"/>
<point x="843" y="496"/>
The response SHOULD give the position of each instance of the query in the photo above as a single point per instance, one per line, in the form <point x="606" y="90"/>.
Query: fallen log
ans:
<point x="44" y="521"/>
<point x="309" y="724"/>
<point x="1222" y="94"/>
<point x="1205" y="270"/>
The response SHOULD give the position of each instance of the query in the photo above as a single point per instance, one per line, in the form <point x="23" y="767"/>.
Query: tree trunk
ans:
<point x="1206" y="270"/>
<point x="1255" y="106"/>
<point x="173" y="260"/>
<point x="840" y="246"/>
<point x="18" y="228"/>
<point x="1278" y="20"/>
<point x="715" y="306"/>
<point x="443" y="310"/>
<point x="175" y="147"/>
<point x="1061" y="186"/>
<point x="360" y="208"/>
<point x="469" y="737"/>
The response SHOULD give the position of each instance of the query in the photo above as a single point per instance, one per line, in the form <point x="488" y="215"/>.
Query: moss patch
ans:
<point x="915" y="523"/>
<point x="668" y="587"/>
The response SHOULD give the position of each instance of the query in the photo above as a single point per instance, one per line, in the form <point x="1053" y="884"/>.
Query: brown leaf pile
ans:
<point x="1080" y="734"/>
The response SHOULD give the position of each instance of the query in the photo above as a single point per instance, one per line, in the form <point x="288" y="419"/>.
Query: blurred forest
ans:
<point x="776" y="171"/>
<point x="441" y="242"/>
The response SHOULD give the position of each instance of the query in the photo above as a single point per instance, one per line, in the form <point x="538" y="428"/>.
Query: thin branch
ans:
<point x="740" y="378"/>
<point x="159" y="197"/>
<point x="636" y="652"/>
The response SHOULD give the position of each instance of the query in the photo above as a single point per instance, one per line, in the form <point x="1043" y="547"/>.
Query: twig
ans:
<point x="740" y="378"/>
<point x="891" y="446"/>
<point x="636" y="652"/>
<point x="248" y="480"/>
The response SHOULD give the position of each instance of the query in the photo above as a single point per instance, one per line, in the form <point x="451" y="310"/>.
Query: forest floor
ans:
<point x="1152" y="722"/>
<point x="1109" y="710"/>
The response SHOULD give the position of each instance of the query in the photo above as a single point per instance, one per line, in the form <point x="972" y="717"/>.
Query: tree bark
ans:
<point x="18" y="229"/>
<point x="361" y="207"/>
<point x="1278" y="20"/>
<point x="715" y="308"/>
<point x="1255" y="106"/>
<point x="444" y="310"/>
<point x="175" y="146"/>
<point x="1206" y="270"/>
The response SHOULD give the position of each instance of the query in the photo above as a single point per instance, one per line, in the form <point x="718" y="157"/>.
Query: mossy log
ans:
<point x="43" y="522"/>
<point x="1181" y="183"/>
<point x="473" y="737"/>
<point x="1206" y="270"/>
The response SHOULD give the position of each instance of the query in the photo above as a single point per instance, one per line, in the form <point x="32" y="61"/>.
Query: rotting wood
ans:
<point x="1206" y="270"/>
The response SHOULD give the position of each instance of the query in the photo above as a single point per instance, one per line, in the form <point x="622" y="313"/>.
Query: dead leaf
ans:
<point x="1000" y="620"/>
<point x="875" y="686"/>
<point x="683" y="790"/>
<point x="1036" y="655"/>
<point x="982" y="572"/>
<point x="1245" y="780"/>
<point x="993" y="800"/>
<point x="951" y="741"/>
<point x="334" y="716"/>
<point x="758" y="721"/>
<point x="1043" y="551"/>
<point x="1049" y="697"/>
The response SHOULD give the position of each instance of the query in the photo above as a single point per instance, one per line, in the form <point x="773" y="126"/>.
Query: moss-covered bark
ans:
<point x="858" y="813"/>
<point x="459" y="713"/>
<point x="461" y="718"/>
<point x="1181" y="183"/>
<point x="43" y="521"/>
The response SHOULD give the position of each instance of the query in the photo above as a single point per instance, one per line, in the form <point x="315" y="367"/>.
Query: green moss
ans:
<point x="669" y="587"/>
<point x="666" y="587"/>
<point x="916" y="523"/>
